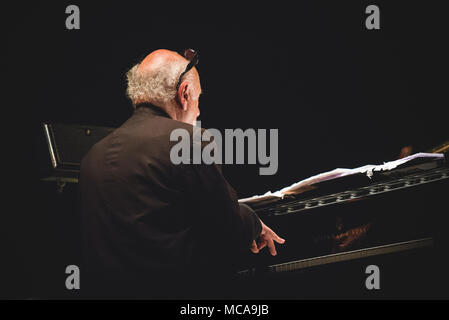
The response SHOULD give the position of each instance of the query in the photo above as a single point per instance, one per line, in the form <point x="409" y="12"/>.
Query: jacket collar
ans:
<point x="152" y="109"/>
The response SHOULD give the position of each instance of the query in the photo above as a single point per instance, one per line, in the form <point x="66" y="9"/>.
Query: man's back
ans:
<point x="146" y="219"/>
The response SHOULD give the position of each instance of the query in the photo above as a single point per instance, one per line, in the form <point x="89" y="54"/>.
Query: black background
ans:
<point x="339" y="94"/>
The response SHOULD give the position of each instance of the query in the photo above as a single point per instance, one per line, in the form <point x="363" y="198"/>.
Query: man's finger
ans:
<point x="262" y="245"/>
<point x="278" y="239"/>
<point x="254" y="248"/>
<point x="271" y="247"/>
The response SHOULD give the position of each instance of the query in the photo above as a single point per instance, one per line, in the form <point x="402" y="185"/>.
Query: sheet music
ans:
<point x="336" y="173"/>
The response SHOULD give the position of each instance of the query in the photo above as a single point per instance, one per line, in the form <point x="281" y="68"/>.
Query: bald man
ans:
<point x="153" y="228"/>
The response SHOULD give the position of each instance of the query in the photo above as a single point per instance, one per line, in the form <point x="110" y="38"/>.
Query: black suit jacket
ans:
<point x="146" y="220"/>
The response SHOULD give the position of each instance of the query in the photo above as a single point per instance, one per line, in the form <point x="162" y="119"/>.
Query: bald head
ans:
<point x="159" y="58"/>
<point x="154" y="80"/>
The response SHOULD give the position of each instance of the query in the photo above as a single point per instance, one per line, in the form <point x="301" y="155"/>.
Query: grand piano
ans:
<point x="394" y="219"/>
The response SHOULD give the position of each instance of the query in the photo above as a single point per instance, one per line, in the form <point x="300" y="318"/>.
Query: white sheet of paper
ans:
<point x="336" y="173"/>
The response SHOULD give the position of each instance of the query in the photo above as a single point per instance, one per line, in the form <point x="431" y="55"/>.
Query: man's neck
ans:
<point x="154" y="108"/>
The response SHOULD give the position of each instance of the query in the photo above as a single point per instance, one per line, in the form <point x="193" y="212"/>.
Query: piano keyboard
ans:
<point x="345" y="256"/>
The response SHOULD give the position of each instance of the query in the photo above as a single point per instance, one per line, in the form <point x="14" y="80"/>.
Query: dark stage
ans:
<point x="340" y="95"/>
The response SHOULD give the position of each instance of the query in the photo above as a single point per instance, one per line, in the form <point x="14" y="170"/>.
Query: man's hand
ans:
<point x="266" y="238"/>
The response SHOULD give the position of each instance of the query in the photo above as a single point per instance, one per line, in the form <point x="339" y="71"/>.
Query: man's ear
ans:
<point x="183" y="95"/>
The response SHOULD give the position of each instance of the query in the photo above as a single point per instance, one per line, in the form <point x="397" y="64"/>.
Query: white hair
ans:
<point x="157" y="86"/>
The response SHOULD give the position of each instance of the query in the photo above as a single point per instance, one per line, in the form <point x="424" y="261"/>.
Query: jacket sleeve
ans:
<point x="221" y="217"/>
